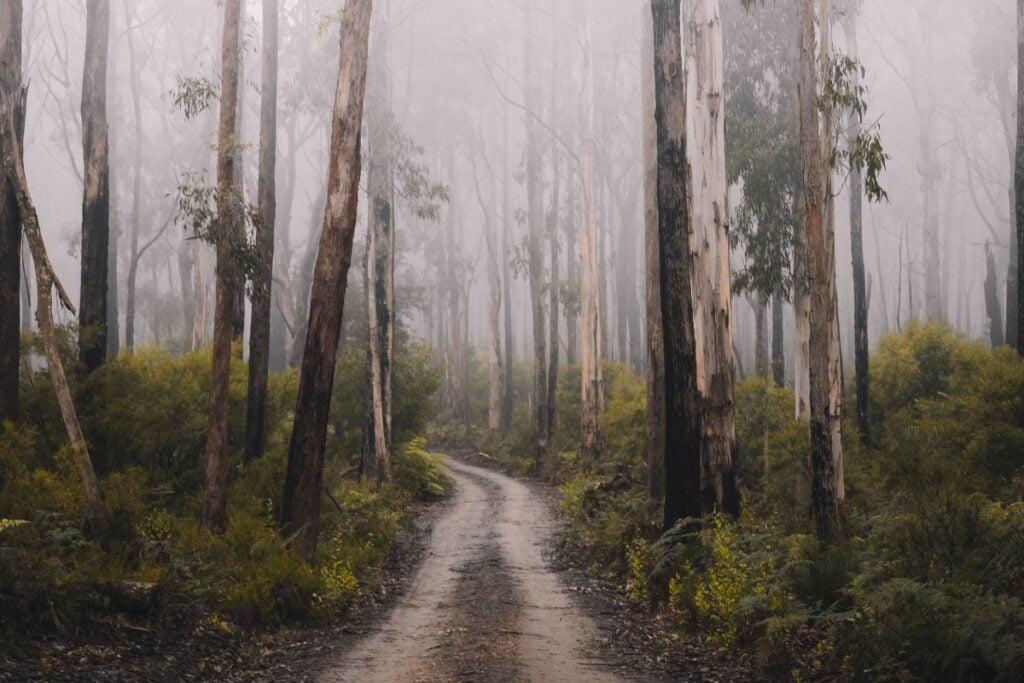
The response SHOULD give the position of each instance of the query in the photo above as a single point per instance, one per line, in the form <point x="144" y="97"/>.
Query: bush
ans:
<point x="420" y="472"/>
<point x="904" y="630"/>
<point x="145" y="419"/>
<point x="249" y="572"/>
<point x="771" y="453"/>
<point x="417" y="378"/>
<point x="928" y="584"/>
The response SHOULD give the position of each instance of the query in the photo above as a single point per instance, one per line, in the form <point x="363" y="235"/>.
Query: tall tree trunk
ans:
<point x="815" y="144"/>
<point x="553" y="222"/>
<point x="92" y="342"/>
<point x="709" y="244"/>
<point x="535" y="251"/>
<point x="46" y="282"/>
<point x="1017" y="246"/>
<point x="778" y="341"/>
<point x="133" y="262"/>
<point x="496" y="378"/>
<point x="655" y="422"/>
<point x="283" y="316"/>
<point x="930" y="233"/>
<point x="380" y="246"/>
<point x="238" y="293"/>
<point x="592" y="404"/>
<point x="452" y="277"/>
<point x="506" y="278"/>
<point x="300" y="504"/>
<point x="113" y="312"/>
<point x="995" y="315"/>
<point x="602" y="215"/>
<point x="625" y="275"/>
<point x="682" y="401"/>
<point x="860" y="294"/>
<point x="10" y="218"/>
<point x="227" y="238"/>
<point x="259" y="325"/>
<point x="571" y="307"/>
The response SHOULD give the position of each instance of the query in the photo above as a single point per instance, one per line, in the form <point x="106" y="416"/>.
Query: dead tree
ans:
<point x="46" y="283"/>
<point x="300" y="504"/>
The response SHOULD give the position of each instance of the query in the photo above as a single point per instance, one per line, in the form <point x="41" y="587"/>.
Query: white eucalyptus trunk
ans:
<point x="709" y="246"/>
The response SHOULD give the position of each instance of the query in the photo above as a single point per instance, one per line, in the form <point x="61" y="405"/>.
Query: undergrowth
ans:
<point x="145" y="418"/>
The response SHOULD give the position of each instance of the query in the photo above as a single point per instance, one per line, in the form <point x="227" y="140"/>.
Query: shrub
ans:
<point x="731" y="592"/>
<point x="420" y="472"/>
<point x="771" y="452"/>
<point x="905" y="630"/>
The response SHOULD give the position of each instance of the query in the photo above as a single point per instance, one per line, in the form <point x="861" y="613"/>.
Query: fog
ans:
<point x="941" y="86"/>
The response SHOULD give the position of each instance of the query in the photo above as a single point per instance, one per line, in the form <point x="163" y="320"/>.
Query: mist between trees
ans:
<point x="531" y="199"/>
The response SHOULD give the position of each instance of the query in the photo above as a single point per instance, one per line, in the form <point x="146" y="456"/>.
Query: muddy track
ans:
<point x="484" y="605"/>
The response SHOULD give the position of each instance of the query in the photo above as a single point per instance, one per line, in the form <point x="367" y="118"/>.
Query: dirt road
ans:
<point x="484" y="605"/>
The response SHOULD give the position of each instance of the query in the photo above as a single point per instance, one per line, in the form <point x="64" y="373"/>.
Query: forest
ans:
<point x="511" y="340"/>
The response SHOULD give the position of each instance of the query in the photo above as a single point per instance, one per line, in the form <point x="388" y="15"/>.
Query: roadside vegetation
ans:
<point x="145" y="416"/>
<point x="928" y="582"/>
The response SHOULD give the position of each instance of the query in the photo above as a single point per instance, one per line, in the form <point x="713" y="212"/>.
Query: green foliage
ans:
<point x="928" y="583"/>
<point x="249" y="571"/>
<point x="772" y="449"/>
<point x="905" y="630"/>
<point x="151" y="409"/>
<point x="201" y="210"/>
<point x="193" y="95"/>
<point x="624" y="421"/>
<point x="360" y="529"/>
<point x="607" y="521"/>
<point x="762" y="148"/>
<point x="145" y="419"/>
<point x="422" y="194"/>
<point x="733" y="586"/>
<point x="951" y="413"/>
<point x="417" y="470"/>
<point x="845" y="92"/>
<point x="417" y="378"/>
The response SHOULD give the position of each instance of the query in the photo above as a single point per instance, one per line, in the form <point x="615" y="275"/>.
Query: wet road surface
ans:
<point x="484" y="605"/>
